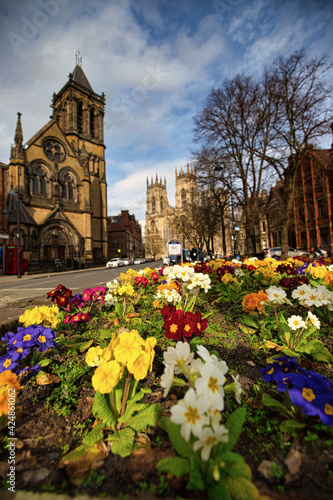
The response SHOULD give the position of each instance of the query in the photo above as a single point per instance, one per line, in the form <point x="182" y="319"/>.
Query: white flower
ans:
<point x="167" y="379"/>
<point x="313" y="298"/>
<point x="206" y="356"/>
<point x="314" y="320"/>
<point x="110" y="299"/>
<point x="179" y="357"/>
<point x="238" y="389"/>
<point x="325" y="295"/>
<point x="208" y="438"/>
<point x="296" y="322"/>
<point x="276" y="294"/>
<point x="190" y="413"/>
<point x="209" y="385"/>
<point x="301" y="292"/>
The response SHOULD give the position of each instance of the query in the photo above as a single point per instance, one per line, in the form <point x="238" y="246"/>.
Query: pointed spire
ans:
<point x="18" y="132"/>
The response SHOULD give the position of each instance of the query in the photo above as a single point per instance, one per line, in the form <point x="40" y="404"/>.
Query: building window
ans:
<point x="322" y="208"/>
<point x="39" y="181"/>
<point x="79" y="117"/>
<point x="54" y="150"/>
<point x="264" y="244"/>
<point x="183" y="197"/>
<point x="92" y="123"/>
<point x="161" y="204"/>
<point x="324" y="235"/>
<point x="303" y="239"/>
<point x="153" y="205"/>
<point x="67" y="190"/>
<point x="313" y="238"/>
<point x="263" y="227"/>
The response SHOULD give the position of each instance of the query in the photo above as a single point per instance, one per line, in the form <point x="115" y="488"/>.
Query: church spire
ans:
<point x="18" y="139"/>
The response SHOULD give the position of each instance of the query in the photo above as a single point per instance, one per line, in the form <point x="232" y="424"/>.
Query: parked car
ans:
<point x="275" y="252"/>
<point x="138" y="260"/>
<point x="128" y="262"/>
<point x="116" y="262"/>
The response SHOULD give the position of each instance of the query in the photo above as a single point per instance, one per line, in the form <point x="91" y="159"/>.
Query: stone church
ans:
<point x="160" y="215"/>
<point x="56" y="181"/>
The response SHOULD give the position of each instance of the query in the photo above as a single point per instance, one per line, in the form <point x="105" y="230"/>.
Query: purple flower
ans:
<point x="76" y="301"/>
<point x="7" y="363"/>
<point x="272" y="373"/>
<point x="45" y="339"/>
<point x="326" y="410"/>
<point x="8" y="336"/>
<point x="306" y="393"/>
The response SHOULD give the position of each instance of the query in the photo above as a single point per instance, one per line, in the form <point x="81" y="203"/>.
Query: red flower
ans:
<point x="173" y="325"/>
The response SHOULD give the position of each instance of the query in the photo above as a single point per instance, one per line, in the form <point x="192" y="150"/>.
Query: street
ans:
<point x="31" y="286"/>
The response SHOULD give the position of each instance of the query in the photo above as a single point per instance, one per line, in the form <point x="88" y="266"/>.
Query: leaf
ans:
<point x="149" y="416"/>
<point x="241" y="488"/>
<point x="246" y="329"/>
<point x="104" y="334"/>
<point x="47" y="378"/>
<point x="234" y="425"/>
<point x="80" y="346"/>
<point x="44" y="362"/>
<point x="102" y="408"/>
<point x="177" y="466"/>
<point x="272" y="345"/>
<point x="250" y="321"/>
<point x="317" y="350"/>
<point x="181" y="446"/>
<point x="218" y="491"/>
<point x="288" y="425"/>
<point x="92" y="437"/>
<point x="196" y="478"/>
<point x="80" y="461"/>
<point x="122" y="442"/>
<point x="273" y="403"/>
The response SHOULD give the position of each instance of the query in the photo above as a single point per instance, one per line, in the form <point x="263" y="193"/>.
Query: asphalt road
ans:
<point x="37" y="286"/>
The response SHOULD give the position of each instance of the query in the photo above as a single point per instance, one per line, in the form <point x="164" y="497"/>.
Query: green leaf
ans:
<point x="149" y="416"/>
<point x="288" y="425"/>
<point x="104" y="334"/>
<point x="102" y="408"/>
<point x="122" y="442"/>
<point x="130" y="410"/>
<point x="44" y="362"/>
<point x="218" y="491"/>
<point x="177" y="466"/>
<point x="196" y="478"/>
<point x="92" y="437"/>
<point x="247" y="329"/>
<point x="273" y="403"/>
<point x="317" y="350"/>
<point x="234" y="425"/>
<point x="80" y="346"/>
<point x="181" y="446"/>
<point x="250" y="321"/>
<point x="241" y="488"/>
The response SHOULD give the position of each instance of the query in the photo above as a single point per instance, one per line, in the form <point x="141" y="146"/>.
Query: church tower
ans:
<point x="158" y="225"/>
<point x="186" y="188"/>
<point x="59" y="175"/>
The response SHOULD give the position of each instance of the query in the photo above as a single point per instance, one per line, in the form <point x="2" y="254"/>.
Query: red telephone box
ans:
<point x="11" y="260"/>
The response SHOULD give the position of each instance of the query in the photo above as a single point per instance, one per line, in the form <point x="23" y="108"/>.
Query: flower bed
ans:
<point x="206" y="381"/>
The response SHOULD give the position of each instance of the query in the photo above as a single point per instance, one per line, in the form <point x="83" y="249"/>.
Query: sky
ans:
<point x="156" y="62"/>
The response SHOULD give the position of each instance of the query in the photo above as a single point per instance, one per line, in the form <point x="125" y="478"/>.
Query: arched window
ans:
<point x="161" y="204"/>
<point x="153" y="205"/>
<point x="67" y="184"/>
<point x="92" y="123"/>
<point x="183" y="197"/>
<point x="79" y="117"/>
<point x="39" y="181"/>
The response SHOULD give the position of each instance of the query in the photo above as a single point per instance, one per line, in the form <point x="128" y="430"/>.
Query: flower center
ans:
<point x="7" y="363"/>
<point x="41" y="338"/>
<point x="212" y="384"/>
<point x="192" y="415"/>
<point x="27" y="337"/>
<point x="308" y="394"/>
<point x="328" y="409"/>
<point x="173" y="328"/>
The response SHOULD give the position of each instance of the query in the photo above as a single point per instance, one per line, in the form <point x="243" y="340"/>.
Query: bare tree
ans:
<point x="299" y="96"/>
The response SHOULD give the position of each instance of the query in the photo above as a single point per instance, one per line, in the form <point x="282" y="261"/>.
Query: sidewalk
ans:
<point x="10" y="314"/>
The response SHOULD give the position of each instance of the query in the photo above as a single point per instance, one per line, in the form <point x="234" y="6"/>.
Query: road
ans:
<point x="13" y="288"/>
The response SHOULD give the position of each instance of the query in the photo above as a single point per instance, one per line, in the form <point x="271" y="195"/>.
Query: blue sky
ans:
<point x="155" y="60"/>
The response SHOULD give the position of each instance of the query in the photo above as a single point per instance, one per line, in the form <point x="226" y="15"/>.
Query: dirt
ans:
<point x="44" y="436"/>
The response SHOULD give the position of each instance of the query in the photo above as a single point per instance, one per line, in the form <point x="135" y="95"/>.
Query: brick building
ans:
<point x="124" y="236"/>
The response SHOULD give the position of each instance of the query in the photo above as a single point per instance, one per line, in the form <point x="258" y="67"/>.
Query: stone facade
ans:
<point x="59" y="176"/>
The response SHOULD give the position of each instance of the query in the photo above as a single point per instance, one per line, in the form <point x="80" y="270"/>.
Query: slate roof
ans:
<point x="80" y="78"/>
<point x="11" y="210"/>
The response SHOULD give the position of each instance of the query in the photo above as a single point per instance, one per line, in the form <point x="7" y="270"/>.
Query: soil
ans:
<point x="44" y="436"/>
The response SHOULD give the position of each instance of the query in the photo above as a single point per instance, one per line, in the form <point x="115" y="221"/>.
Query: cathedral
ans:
<point x="56" y="182"/>
<point x="161" y="217"/>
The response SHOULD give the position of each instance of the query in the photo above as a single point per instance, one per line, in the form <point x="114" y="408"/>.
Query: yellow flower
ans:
<point x="94" y="356"/>
<point x="140" y="366"/>
<point x="317" y="273"/>
<point x="107" y="376"/>
<point x="129" y="347"/>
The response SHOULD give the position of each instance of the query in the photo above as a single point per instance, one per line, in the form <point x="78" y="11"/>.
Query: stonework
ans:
<point x="59" y="175"/>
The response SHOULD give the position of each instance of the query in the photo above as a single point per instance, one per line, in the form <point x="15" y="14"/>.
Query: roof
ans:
<point x="12" y="209"/>
<point x="80" y="78"/>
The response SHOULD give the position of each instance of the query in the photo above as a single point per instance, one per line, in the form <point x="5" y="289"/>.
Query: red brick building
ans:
<point x="313" y="204"/>
<point x="124" y="236"/>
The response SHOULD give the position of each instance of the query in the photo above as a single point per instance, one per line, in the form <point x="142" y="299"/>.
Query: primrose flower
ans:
<point x="87" y="295"/>
<point x="238" y="388"/>
<point x="276" y="295"/>
<point x="209" y="385"/>
<point x="301" y="292"/>
<point x="209" y="437"/>
<point x="178" y="357"/>
<point x="211" y="358"/>
<point x="190" y="413"/>
<point x="8" y="380"/>
<point x="314" y="320"/>
<point x="167" y="379"/>
<point x="94" y="356"/>
<point x="296" y="322"/>
<point x="107" y="376"/>
<point x="140" y="366"/>
<point x="7" y="363"/>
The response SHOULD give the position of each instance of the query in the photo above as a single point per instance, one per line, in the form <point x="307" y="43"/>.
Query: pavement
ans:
<point x="10" y="314"/>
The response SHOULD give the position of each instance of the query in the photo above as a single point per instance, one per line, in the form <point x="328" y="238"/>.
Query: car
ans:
<point x="116" y="262"/>
<point x="275" y="252"/>
<point x="127" y="262"/>
<point x="138" y="260"/>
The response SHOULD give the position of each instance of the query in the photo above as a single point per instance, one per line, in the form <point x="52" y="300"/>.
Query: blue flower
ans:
<point x="306" y="393"/>
<point x="272" y="373"/>
<point x="7" y="363"/>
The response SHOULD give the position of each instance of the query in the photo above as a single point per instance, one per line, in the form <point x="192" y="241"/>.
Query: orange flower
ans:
<point x="328" y="278"/>
<point x="8" y="386"/>
<point x="254" y="301"/>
